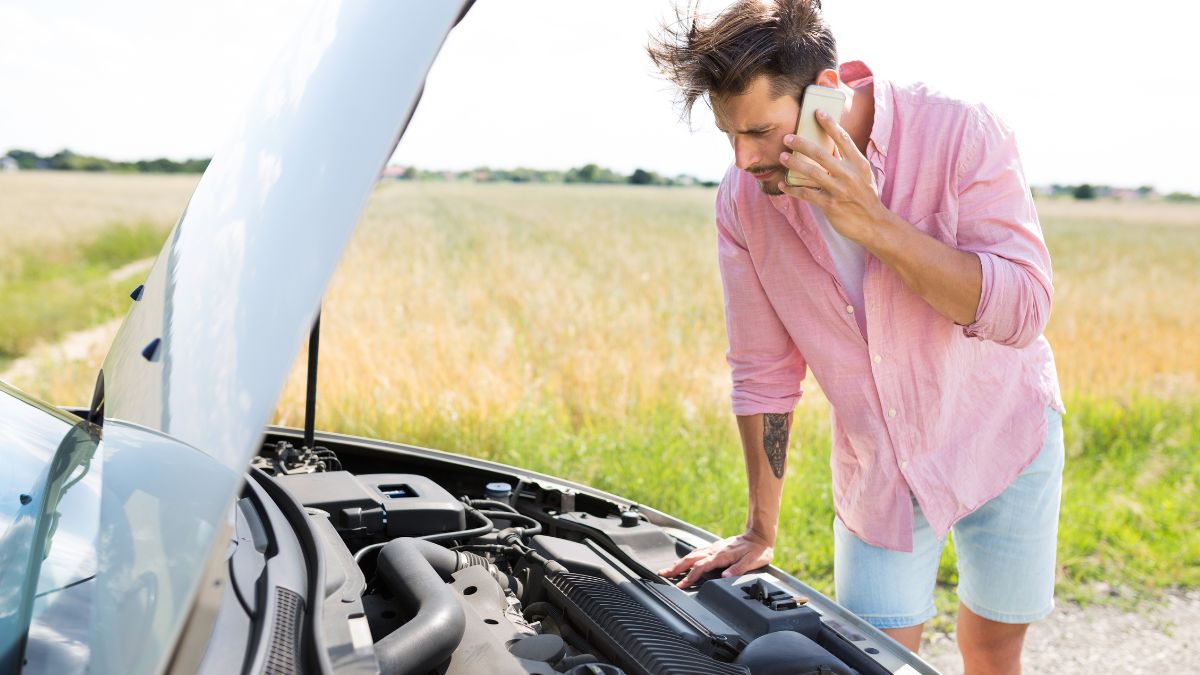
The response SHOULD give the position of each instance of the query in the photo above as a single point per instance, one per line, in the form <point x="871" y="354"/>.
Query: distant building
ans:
<point x="393" y="171"/>
<point x="8" y="164"/>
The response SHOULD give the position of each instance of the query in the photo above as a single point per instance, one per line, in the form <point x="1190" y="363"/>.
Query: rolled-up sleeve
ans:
<point x="766" y="366"/>
<point x="998" y="222"/>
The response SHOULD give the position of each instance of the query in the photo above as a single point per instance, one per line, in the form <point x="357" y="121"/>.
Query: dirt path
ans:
<point x="1163" y="637"/>
<point x="76" y="346"/>
<point x="89" y="343"/>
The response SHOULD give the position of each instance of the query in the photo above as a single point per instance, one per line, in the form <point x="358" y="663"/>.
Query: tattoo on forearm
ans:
<point x="775" y="441"/>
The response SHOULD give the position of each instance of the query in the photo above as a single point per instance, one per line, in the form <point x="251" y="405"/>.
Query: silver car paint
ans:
<point x="235" y="290"/>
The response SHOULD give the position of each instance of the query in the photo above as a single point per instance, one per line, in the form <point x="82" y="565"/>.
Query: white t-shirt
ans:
<point x="850" y="260"/>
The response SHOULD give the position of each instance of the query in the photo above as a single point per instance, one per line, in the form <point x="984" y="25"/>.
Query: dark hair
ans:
<point x="786" y="40"/>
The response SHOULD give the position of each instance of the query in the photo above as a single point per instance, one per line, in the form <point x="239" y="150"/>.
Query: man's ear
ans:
<point x="829" y="78"/>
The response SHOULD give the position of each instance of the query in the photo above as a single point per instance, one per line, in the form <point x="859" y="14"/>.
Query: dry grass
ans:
<point x="599" y="301"/>
<point x="605" y="300"/>
<point x="1108" y="212"/>
<point x="1127" y="301"/>
<point x="47" y="208"/>
<point x="486" y="298"/>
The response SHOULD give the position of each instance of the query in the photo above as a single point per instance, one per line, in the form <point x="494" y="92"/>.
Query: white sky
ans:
<point x="1100" y="92"/>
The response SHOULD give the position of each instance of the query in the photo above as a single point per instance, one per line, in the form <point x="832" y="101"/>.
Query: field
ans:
<point x="579" y="331"/>
<point x="70" y="243"/>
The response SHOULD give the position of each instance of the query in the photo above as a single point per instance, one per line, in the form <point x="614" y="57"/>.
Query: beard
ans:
<point x="770" y="187"/>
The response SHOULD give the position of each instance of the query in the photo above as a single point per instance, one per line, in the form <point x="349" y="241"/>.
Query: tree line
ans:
<point x="587" y="174"/>
<point x="1087" y="191"/>
<point x="65" y="160"/>
<point x="593" y="174"/>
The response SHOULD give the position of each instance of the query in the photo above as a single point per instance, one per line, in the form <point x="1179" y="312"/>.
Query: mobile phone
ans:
<point x="833" y="102"/>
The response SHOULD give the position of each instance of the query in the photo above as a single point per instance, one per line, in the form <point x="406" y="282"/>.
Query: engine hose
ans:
<point x="492" y="504"/>
<point x="483" y="529"/>
<point x="558" y="623"/>
<point x="438" y="622"/>
<point x="446" y="562"/>
<point x="570" y="662"/>
<point x="531" y="526"/>
<point x="512" y="536"/>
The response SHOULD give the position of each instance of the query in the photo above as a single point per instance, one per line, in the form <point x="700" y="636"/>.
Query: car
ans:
<point x="166" y="528"/>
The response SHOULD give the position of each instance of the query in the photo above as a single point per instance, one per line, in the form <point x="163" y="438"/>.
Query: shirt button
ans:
<point x="904" y="464"/>
<point x="878" y="358"/>
<point x="892" y="412"/>
<point x="849" y="309"/>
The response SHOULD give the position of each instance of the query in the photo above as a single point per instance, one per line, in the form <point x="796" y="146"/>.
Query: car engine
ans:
<point x="457" y="572"/>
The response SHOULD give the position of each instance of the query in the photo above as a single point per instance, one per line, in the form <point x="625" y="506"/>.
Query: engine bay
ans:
<point x="452" y="568"/>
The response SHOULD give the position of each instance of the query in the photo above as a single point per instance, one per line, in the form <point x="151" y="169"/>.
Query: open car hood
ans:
<point x="207" y="346"/>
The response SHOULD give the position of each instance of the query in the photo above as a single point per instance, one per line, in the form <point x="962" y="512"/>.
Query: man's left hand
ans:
<point x="846" y="191"/>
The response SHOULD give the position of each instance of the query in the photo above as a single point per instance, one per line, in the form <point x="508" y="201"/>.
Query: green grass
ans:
<point x="49" y="292"/>
<point x="1130" y="508"/>
<point x="1131" y="502"/>
<point x="119" y="244"/>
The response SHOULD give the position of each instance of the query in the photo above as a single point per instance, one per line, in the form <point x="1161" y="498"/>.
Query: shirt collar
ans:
<point x="855" y="74"/>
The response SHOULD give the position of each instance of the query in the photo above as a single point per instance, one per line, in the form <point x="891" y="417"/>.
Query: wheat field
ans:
<point x="605" y="300"/>
<point x="46" y="209"/>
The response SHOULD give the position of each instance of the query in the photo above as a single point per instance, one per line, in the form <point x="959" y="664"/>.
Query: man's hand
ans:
<point x="846" y="191"/>
<point x="948" y="279"/>
<point x="738" y="555"/>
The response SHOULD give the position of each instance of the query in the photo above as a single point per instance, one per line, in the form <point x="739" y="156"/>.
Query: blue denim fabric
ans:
<point x="1006" y="554"/>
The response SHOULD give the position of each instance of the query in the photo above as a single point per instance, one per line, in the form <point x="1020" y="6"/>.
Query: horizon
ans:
<point x="462" y="174"/>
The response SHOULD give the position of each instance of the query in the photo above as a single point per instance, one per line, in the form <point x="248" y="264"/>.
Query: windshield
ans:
<point x="103" y="540"/>
<point x="49" y="499"/>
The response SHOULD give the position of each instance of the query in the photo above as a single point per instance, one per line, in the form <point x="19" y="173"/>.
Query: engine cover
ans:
<point x="393" y="503"/>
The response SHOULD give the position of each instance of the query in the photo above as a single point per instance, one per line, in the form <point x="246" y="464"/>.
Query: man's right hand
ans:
<point x="764" y="444"/>
<point x="737" y="555"/>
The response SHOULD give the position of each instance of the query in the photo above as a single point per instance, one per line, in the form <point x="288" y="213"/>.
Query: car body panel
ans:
<point x="229" y="301"/>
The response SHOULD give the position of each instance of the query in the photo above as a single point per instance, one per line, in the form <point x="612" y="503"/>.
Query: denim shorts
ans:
<point x="1005" y="549"/>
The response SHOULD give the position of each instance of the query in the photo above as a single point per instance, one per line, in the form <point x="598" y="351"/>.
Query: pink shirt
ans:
<point x="951" y="413"/>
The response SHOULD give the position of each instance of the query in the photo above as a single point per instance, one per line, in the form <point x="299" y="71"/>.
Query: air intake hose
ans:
<point x="438" y="622"/>
<point x="446" y="562"/>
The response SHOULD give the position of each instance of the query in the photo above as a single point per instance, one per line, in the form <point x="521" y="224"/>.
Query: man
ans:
<point x="915" y="283"/>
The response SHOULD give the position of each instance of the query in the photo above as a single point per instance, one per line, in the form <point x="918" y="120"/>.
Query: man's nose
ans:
<point x="746" y="153"/>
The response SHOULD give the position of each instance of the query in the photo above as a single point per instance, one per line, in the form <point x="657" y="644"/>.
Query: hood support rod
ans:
<point x="310" y="397"/>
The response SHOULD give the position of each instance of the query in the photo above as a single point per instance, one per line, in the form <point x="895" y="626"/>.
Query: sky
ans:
<point x="1100" y="92"/>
